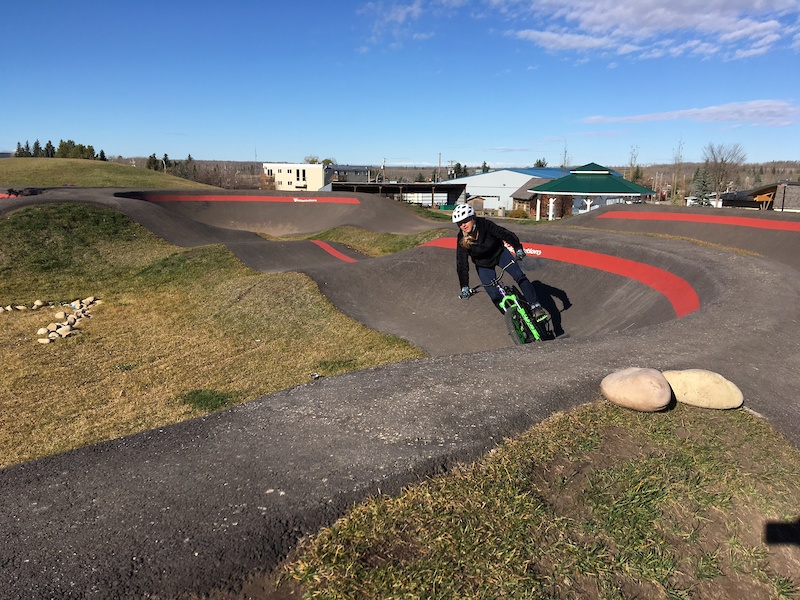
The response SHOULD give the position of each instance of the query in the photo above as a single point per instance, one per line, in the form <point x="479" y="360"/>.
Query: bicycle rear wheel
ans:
<point x="518" y="328"/>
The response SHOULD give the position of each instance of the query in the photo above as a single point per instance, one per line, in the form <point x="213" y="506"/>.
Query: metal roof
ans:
<point x="543" y="172"/>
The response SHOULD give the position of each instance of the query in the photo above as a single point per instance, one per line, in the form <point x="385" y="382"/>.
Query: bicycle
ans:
<point x="522" y="326"/>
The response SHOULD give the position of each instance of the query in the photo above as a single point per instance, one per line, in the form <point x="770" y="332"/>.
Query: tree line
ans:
<point x="66" y="149"/>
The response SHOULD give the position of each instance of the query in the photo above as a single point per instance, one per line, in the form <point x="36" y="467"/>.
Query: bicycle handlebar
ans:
<point x="493" y="282"/>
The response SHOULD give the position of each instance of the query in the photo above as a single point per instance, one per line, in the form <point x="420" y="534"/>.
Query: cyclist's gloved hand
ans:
<point x="465" y="292"/>
<point x="520" y="254"/>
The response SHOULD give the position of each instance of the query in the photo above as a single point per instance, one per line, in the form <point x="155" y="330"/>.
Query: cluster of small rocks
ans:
<point x="66" y="320"/>
<point x="650" y="390"/>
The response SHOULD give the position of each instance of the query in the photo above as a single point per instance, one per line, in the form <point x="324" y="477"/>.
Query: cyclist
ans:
<point x="482" y="240"/>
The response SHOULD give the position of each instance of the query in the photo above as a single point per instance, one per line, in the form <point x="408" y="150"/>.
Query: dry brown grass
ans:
<point x="172" y="321"/>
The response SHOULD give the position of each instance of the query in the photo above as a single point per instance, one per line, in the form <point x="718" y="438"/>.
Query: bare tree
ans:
<point x="566" y="159"/>
<point x="677" y="162"/>
<point x="723" y="161"/>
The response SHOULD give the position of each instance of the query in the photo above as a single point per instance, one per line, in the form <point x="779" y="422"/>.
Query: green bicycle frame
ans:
<point x="508" y="302"/>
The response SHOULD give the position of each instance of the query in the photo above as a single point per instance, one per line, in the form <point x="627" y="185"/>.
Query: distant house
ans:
<point x="530" y="202"/>
<point x="494" y="190"/>
<point x="288" y="177"/>
<point x="6" y="154"/>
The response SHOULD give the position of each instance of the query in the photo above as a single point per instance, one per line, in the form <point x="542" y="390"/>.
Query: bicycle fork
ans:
<point x="508" y="303"/>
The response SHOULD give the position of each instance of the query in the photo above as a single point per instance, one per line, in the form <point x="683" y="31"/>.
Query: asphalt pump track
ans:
<point x="204" y="504"/>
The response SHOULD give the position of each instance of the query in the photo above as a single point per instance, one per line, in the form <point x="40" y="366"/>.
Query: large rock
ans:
<point x="705" y="389"/>
<point x="645" y="390"/>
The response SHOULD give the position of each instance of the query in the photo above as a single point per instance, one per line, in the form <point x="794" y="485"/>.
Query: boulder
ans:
<point x="60" y="315"/>
<point x="44" y="340"/>
<point x="706" y="389"/>
<point x="645" y="390"/>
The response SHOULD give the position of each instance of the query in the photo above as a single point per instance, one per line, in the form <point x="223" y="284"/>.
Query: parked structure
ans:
<point x="784" y="196"/>
<point x="428" y="195"/>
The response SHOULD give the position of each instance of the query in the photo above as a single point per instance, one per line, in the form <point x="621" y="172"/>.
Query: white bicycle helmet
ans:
<point x="462" y="212"/>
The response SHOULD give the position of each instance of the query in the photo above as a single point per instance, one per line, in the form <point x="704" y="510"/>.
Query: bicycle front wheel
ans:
<point x="517" y="328"/>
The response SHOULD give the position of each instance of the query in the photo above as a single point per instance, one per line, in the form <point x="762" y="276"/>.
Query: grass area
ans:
<point x="433" y="214"/>
<point x="375" y="244"/>
<point x="53" y="172"/>
<point x="179" y="333"/>
<point x="600" y="502"/>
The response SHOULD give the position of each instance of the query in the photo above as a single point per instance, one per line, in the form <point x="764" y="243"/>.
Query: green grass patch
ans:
<point x="600" y="502"/>
<point x="433" y="215"/>
<point x="375" y="244"/>
<point x="208" y="400"/>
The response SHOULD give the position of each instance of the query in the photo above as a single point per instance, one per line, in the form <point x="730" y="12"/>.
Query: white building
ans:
<point x="289" y="177"/>
<point x="497" y="187"/>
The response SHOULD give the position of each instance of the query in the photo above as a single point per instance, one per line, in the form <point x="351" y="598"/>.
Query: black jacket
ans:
<point x="486" y="249"/>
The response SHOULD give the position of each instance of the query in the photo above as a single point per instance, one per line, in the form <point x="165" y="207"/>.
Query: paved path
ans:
<point x="203" y="504"/>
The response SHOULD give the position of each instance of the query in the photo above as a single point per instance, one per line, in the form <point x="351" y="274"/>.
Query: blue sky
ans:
<point x="411" y="82"/>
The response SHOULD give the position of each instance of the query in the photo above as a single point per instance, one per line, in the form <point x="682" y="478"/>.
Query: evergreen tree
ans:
<point x="703" y="184"/>
<point x="65" y="149"/>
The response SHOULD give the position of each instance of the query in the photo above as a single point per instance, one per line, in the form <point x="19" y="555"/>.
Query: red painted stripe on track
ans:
<point x="333" y="251"/>
<point x="678" y="291"/>
<point x="716" y="220"/>
<point x="226" y="198"/>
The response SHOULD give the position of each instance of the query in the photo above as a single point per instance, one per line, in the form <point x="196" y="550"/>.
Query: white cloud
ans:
<point x="563" y="41"/>
<point x="775" y="113"/>
<point x="727" y="28"/>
